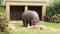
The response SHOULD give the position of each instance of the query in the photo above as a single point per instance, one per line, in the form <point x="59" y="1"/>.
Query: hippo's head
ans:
<point x="35" y="22"/>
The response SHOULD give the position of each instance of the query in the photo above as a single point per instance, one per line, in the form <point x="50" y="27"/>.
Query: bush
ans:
<point x="1" y="7"/>
<point x="52" y="12"/>
<point x="3" y="22"/>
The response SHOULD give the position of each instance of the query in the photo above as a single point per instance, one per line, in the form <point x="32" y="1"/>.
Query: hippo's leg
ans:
<point x="30" y="23"/>
<point x="24" y="23"/>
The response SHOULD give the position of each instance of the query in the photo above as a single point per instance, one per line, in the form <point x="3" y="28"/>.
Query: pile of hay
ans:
<point x="41" y="27"/>
<point x="11" y="26"/>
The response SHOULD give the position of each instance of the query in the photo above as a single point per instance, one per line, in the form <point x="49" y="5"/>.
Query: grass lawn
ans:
<point x="54" y="25"/>
<point x="35" y="31"/>
<point x="2" y="32"/>
<point x="32" y="32"/>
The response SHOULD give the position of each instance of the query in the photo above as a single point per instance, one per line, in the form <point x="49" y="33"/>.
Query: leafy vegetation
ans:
<point x="3" y="20"/>
<point x="53" y="12"/>
<point x="1" y="7"/>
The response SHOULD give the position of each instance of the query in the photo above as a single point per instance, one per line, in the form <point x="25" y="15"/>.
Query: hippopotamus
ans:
<point x="30" y="17"/>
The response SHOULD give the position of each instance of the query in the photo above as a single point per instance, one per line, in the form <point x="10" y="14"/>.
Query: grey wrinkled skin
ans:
<point x="30" y="17"/>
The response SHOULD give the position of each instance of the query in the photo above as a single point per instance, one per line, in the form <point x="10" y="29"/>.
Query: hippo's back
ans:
<point x="29" y="15"/>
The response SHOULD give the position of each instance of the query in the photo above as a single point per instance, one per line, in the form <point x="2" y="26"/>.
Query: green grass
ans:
<point x="1" y="10"/>
<point x="2" y="32"/>
<point x="54" y="25"/>
<point x="35" y="31"/>
<point x="32" y="31"/>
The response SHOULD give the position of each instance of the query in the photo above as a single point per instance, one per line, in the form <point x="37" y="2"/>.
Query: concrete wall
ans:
<point x="26" y="4"/>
